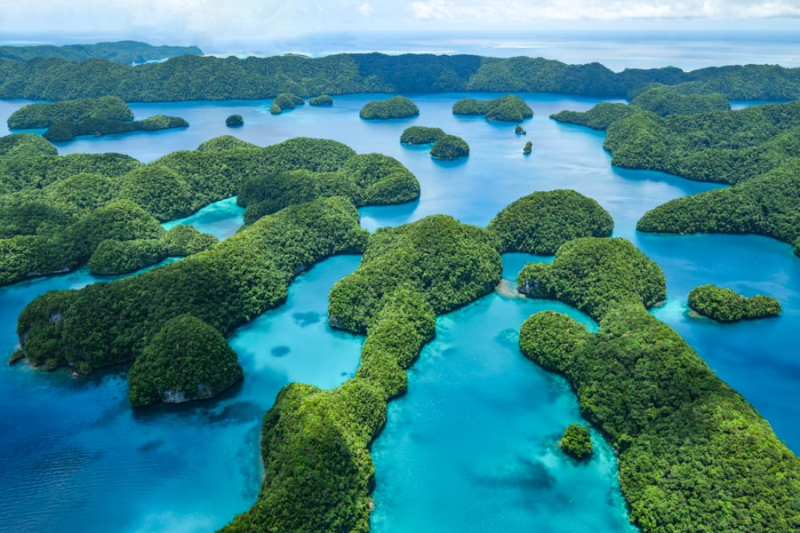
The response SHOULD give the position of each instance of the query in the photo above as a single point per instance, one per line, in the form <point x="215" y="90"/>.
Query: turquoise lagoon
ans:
<point x="74" y="452"/>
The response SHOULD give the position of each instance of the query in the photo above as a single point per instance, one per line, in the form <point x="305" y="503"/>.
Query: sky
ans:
<point x="218" y="25"/>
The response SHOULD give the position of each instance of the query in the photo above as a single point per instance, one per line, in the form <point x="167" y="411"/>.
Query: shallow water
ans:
<point x="473" y="446"/>
<point x="196" y="466"/>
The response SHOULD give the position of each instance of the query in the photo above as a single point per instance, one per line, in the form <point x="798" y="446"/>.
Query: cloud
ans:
<point x="600" y="10"/>
<point x="366" y="9"/>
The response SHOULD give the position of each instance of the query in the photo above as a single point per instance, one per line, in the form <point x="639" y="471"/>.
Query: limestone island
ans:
<point x="450" y="147"/>
<point x="66" y="131"/>
<point x="528" y="148"/>
<point x="724" y="305"/>
<point x="395" y="107"/>
<point x="234" y="121"/>
<point x="505" y="109"/>
<point x="576" y="442"/>
<point x="421" y="135"/>
<point x="321" y="100"/>
<point x="285" y="102"/>
<point x="519" y="130"/>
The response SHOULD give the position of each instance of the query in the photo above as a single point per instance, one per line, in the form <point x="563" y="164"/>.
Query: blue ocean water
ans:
<point x="67" y="443"/>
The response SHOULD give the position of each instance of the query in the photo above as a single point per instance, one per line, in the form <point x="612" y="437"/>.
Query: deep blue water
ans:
<point x="69" y="443"/>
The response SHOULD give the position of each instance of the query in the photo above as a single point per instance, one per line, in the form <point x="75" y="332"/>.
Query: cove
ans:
<point x="76" y="454"/>
<point x="472" y="445"/>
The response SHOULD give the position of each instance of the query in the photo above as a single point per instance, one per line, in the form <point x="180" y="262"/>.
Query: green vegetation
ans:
<point x="450" y="147"/>
<point x="321" y="100"/>
<point x="528" y="148"/>
<point x="366" y="179"/>
<point x="234" y="121"/>
<point x="767" y="205"/>
<point x="211" y="78"/>
<point x="50" y="201"/>
<point x="119" y="52"/>
<point x="577" y="442"/>
<point x="186" y="360"/>
<point x="519" y="130"/>
<point x="506" y="109"/>
<point x="693" y="454"/>
<point x="421" y="135"/>
<point x="112" y="257"/>
<point x="664" y="101"/>
<point x="725" y="305"/>
<point x="600" y="117"/>
<point x="716" y="146"/>
<point x="541" y="222"/>
<point x="394" y="107"/>
<point x="285" y="102"/>
<point x="318" y="472"/>
<point x="107" y="108"/>
<point x="224" y="286"/>
<point x="595" y="275"/>
<point x="66" y="131"/>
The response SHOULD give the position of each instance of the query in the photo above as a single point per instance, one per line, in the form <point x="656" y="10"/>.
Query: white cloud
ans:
<point x="366" y="9"/>
<point x="601" y="10"/>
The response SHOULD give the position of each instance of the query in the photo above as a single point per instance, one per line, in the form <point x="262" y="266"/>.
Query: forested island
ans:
<point x="394" y="107"/>
<point x="576" y="442"/>
<point x="444" y="146"/>
<point x="285" y="102"/>
<point x="724" y="305"/>
<point x="657" y="402"/>
<point x="234" y="121"/>
<point x="57" y="221"/>
<point x="210" y="78"/>
<point x="321" y="100"/>
<point x="129" y="52"/>
<point x="506" y="109"/>
<point x="87" y="116"/>
<point x="33" y="116"/>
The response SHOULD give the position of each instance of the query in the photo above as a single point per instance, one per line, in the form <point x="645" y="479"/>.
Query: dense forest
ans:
<point x="57" y="211"/>
<point x="508" y="108"/>
<point x="714" y="146"/>
<point x="394" y="107"/>
<point x="119" y="52"/>
<point x="542" y="221"/>
<point x="318" y="471"/>
<point x="693" y="454"/>
<point x="449" y="147"/>
<point x="34" y="116"/>
<point x="767" y="205"/>
<point x="209" y="78"/>
<point x="421" y="135"/>
<point x="285" y="102"/>
<point x="66" y="131"/>
<point x="224" y="286"/>
<point x="724" y="305"/>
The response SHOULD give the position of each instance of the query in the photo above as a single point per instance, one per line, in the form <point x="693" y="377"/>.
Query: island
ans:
<point x="34" y="116"/>
<point x="421" y="135"/>
<point x="765" y="205"/>
<point x="542" y="221"/>
<point x="58" y="209"/>
<point x="327" y="487"/>
<point x="576" y="442"/>
<point x="66" y="131"/>
<point x="127" y="52"/>
<point x="215" y="78"/>
<point x="724" y="305"/>
<point x="449" y="147"/>
<point x="644" y="388"/>
<point x="285" y="102"/>
<point x="321" y="100"/>
<point x="234" y="121"/>
<point x="505" y="109"/>
<point x="395" y="107"/>
<point x="519" y="130"/>
<point x="528" y="148"/>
